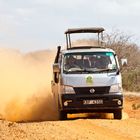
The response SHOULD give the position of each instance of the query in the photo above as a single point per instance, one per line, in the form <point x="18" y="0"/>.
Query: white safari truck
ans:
<point x="87" y="78"/>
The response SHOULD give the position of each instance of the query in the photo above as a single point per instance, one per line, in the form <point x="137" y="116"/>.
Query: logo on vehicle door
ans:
<point x="92" y="90"/>
<point x="89" y="80"/>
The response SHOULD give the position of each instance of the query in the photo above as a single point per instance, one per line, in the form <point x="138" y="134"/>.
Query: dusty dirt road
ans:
<point x="92" y="127"/>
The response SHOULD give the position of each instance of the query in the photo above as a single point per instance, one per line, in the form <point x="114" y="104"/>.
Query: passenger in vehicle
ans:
<point x="98" y="63"/>
<point x="71" y="63"/>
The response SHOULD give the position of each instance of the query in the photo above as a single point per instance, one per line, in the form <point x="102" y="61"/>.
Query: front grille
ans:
<point x="97" y="90"/>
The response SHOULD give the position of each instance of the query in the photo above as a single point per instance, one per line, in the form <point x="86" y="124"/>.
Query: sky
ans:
<point x="30" y="25"/>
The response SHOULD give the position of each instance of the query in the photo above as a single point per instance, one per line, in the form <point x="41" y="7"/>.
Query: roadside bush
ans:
<point x="131" y="80"/>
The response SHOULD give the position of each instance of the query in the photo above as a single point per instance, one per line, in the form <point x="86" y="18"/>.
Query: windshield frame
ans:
<point x="87" y="71"/>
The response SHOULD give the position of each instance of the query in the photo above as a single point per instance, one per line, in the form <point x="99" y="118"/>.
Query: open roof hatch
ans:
<point x="97" y="30"/>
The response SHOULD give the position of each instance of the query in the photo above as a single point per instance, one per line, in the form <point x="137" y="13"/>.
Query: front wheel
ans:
<point x="62" y="115"/>
<point x="118" y="114"/>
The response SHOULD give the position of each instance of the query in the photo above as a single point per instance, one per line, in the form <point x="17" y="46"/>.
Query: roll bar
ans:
<point x="98" y="30"/>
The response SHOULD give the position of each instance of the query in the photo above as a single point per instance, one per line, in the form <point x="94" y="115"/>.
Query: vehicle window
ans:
<point x="89" y="62"/>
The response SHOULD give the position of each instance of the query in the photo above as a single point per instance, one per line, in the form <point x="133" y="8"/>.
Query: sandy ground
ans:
<point x="91" y="127"/>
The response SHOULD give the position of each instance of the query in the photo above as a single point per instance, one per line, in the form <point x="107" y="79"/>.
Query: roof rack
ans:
<point x="84" y="47"/>
<point x="85" y="30"/>
<point x="97" y="30"/>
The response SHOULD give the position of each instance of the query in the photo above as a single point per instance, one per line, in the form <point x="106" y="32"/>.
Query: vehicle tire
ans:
<point x="62" y="115"/>
<point x="118" y="114"/>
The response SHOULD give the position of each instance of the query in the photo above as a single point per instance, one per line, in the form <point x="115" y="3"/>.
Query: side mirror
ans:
<point x="124" y="62"/>
<point x="56" y="68"/>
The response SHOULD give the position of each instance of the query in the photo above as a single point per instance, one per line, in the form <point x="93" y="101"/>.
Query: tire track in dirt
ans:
<point x="129" y="128"/>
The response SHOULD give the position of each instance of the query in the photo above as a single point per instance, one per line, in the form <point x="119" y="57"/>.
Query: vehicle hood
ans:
<point x="84" y="80"/>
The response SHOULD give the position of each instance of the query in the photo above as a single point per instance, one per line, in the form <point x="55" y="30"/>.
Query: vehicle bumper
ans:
<point x="73" y="103"/>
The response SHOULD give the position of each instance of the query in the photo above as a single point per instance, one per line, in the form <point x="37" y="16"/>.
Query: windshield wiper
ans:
<point x="86" y="70"/>
<point x="80" y="70"/>
<point x="105" y="70"/>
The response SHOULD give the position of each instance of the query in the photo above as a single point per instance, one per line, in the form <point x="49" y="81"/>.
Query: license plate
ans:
<point x="91" y="102"/>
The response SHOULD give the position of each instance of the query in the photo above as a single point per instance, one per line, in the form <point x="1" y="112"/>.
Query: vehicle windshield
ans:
<point x="89" y="62"/>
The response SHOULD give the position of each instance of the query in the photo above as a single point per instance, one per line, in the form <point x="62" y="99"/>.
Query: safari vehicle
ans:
<point x="87" y="78"/>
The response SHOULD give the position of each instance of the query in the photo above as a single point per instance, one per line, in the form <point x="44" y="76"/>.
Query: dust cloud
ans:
<point x="25" y="86"/>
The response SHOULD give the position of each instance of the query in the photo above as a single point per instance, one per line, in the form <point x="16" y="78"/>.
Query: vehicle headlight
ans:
<point x="115" y="88"/>
<point x="68" y="90"/>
